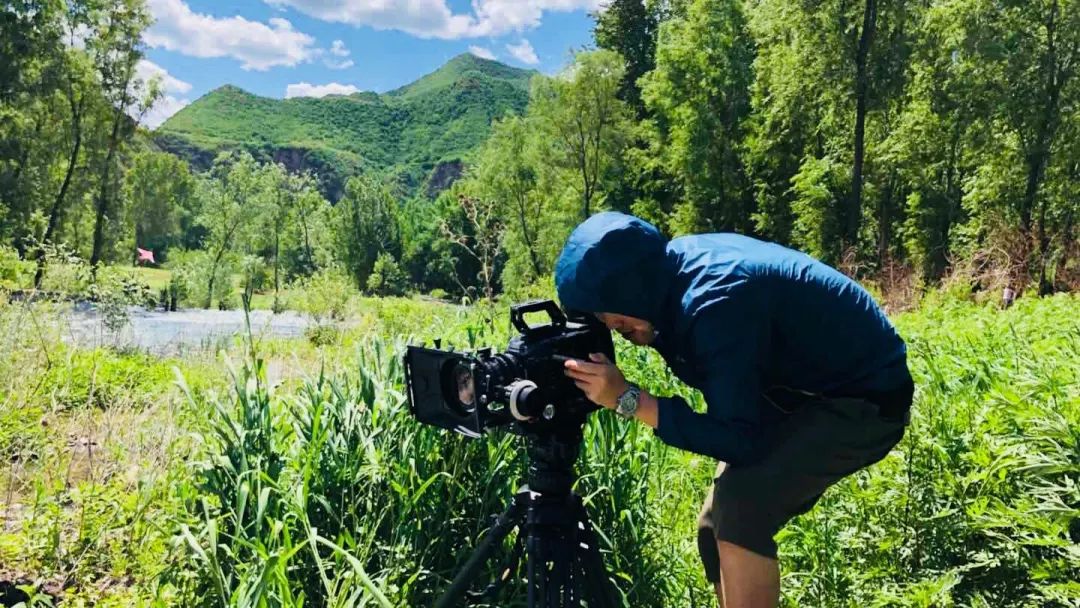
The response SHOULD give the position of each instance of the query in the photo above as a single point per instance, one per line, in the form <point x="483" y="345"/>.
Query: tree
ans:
<point x="311" y="211"/>
<point x="366" y="224"/>
<point x="506" y="173"/>
<point x="588" y="124"/>
<point x="387" y="278"/>
<point x="699" y="98"/>
<point x="234" y="196"/>
<point x="629" y="28"/>
<point x="481" y="237"/>
<point x="1023" y="59"/>
<point x="75" y="74"/>
<point x="827" y="75"/>
<point x="115" y="53"/>
<point x="30" y="50"/>
<point x="160" y="195"/>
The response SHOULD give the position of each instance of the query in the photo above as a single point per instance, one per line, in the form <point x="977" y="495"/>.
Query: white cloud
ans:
<point x="172" y="88"/>
<point x="497" y="17"/>
<point x="303" y="89"/>
<point x="482" y="52"/>
<point x="424" y="18"/>
<point x="524" y="52"/>
<point x="259" y="46"/>
<point x="339" y="65"/>
<point x="147" y="70"/>
<point x="162" y="111"/>
<point x="338" y="59"/>
<point x="434" y="18"/>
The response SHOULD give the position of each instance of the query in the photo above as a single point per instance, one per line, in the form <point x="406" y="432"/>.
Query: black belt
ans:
<point x="893" y="404"/>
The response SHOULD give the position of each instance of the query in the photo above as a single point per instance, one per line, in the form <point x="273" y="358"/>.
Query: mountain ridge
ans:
<point x="412" y="133"/>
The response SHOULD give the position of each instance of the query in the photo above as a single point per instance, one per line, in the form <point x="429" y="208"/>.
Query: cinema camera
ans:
<point x="472" y="392"/>
<point x="526" y="390"/>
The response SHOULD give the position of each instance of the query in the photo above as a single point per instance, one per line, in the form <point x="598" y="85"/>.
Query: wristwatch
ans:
<point x="627" y="403"/>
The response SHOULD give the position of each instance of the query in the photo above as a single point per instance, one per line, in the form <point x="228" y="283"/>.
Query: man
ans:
<point x="805" y="380"/>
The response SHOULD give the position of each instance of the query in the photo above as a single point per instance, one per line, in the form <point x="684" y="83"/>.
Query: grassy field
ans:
<point x="293" y="475"/>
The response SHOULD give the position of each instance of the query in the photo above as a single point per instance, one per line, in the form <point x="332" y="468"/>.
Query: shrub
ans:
<point x="387" y="278"/>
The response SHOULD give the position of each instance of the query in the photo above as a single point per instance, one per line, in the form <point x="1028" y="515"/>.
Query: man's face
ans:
<point x="638" y="331"/>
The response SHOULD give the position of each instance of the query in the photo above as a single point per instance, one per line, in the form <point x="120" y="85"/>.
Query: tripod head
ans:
<point x="552" y="454"/>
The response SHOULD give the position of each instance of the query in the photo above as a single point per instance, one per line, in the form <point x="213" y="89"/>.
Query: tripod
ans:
<point x="563" y="562"/>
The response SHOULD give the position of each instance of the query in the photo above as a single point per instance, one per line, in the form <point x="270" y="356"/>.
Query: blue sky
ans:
<point x="280" y="48"/>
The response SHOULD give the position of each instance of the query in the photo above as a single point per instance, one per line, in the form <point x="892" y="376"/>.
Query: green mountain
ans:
<point x="420" y="133"/>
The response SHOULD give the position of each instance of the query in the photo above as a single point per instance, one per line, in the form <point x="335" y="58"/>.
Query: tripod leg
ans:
<point x="537" y="570"/>
<point x="511" y="517"/>
<point x="602" y="592"/>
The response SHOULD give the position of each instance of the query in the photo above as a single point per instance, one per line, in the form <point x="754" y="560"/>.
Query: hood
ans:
<point x="616" y="263"/>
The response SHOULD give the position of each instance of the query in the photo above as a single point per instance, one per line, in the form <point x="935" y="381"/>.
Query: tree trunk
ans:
<point x="862" y="86"/>
<point x="226" y="241"/>
<point x="528" y="241"/>
<point x="58" y="204"/>
<point x="308" y="262"/>
<point x="884" y="219"/>
<point x="277" y="264"/>
<point x="24" y="159"/>
<point x="101" y="205"/>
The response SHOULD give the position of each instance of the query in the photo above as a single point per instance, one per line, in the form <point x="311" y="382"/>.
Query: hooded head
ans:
<point x="615" y="263"/>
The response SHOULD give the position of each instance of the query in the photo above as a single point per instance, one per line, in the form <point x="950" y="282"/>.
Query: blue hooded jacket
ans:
<point x="735" y="317"/>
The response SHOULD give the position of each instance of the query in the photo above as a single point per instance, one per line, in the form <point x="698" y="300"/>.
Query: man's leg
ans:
<point x="706" y="540"/>
<point x="747" y="580"/>
<point x="814" y="449"/>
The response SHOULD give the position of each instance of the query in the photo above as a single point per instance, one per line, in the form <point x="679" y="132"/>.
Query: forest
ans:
<point x="904" y="142"/>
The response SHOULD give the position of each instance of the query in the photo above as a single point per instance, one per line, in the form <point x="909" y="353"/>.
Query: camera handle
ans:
<point x="517" y="314"/>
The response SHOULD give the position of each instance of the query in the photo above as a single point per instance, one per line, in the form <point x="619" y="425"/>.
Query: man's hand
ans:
<point x="598" y="378"/>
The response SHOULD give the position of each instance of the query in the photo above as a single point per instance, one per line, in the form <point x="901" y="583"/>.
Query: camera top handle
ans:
<point x="517" y="314"/>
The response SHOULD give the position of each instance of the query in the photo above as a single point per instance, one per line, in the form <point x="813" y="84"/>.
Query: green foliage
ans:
<point x="325" y="296"/>
<point x="101" y="378"/>
<point x="190" y="282"/>
<point x="815" y="229"/>
<point x="629" y="27"/>
<point x="586" y="125"/>
<point x="326" y="486"/>
<point x="387" y="278"/>
<point x="161" y="197"/>
<point x="698" y="96"/>
<point x="973" y="508"/>
<point x="366" y="224"/>
<point x="15" y="273"/>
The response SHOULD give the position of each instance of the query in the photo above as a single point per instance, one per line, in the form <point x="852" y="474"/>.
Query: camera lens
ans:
<point x="465" y="386"/>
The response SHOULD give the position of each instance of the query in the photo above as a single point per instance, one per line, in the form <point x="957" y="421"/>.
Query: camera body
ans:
<point x="472" y="392"/>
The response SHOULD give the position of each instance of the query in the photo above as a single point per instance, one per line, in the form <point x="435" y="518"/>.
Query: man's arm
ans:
<point x="731" y="337"/>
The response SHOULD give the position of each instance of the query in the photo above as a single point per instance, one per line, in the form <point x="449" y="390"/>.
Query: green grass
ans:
<point x="156" y="278"/>
<point x="302" y="475"/>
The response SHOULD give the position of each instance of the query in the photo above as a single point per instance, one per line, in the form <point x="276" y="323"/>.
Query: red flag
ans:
<point x="145" y="256"/>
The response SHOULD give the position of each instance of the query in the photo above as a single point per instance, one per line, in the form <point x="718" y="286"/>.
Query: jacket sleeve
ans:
<point x="730" y="341"/>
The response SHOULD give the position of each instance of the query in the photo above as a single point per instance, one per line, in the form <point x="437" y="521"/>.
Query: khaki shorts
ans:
<point x="813" y="448"/>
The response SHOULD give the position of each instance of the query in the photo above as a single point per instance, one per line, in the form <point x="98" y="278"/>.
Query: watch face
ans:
<point x="628" y="401"/>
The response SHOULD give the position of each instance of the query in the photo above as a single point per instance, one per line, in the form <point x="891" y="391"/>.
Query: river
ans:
<point x="184" y="330"/>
